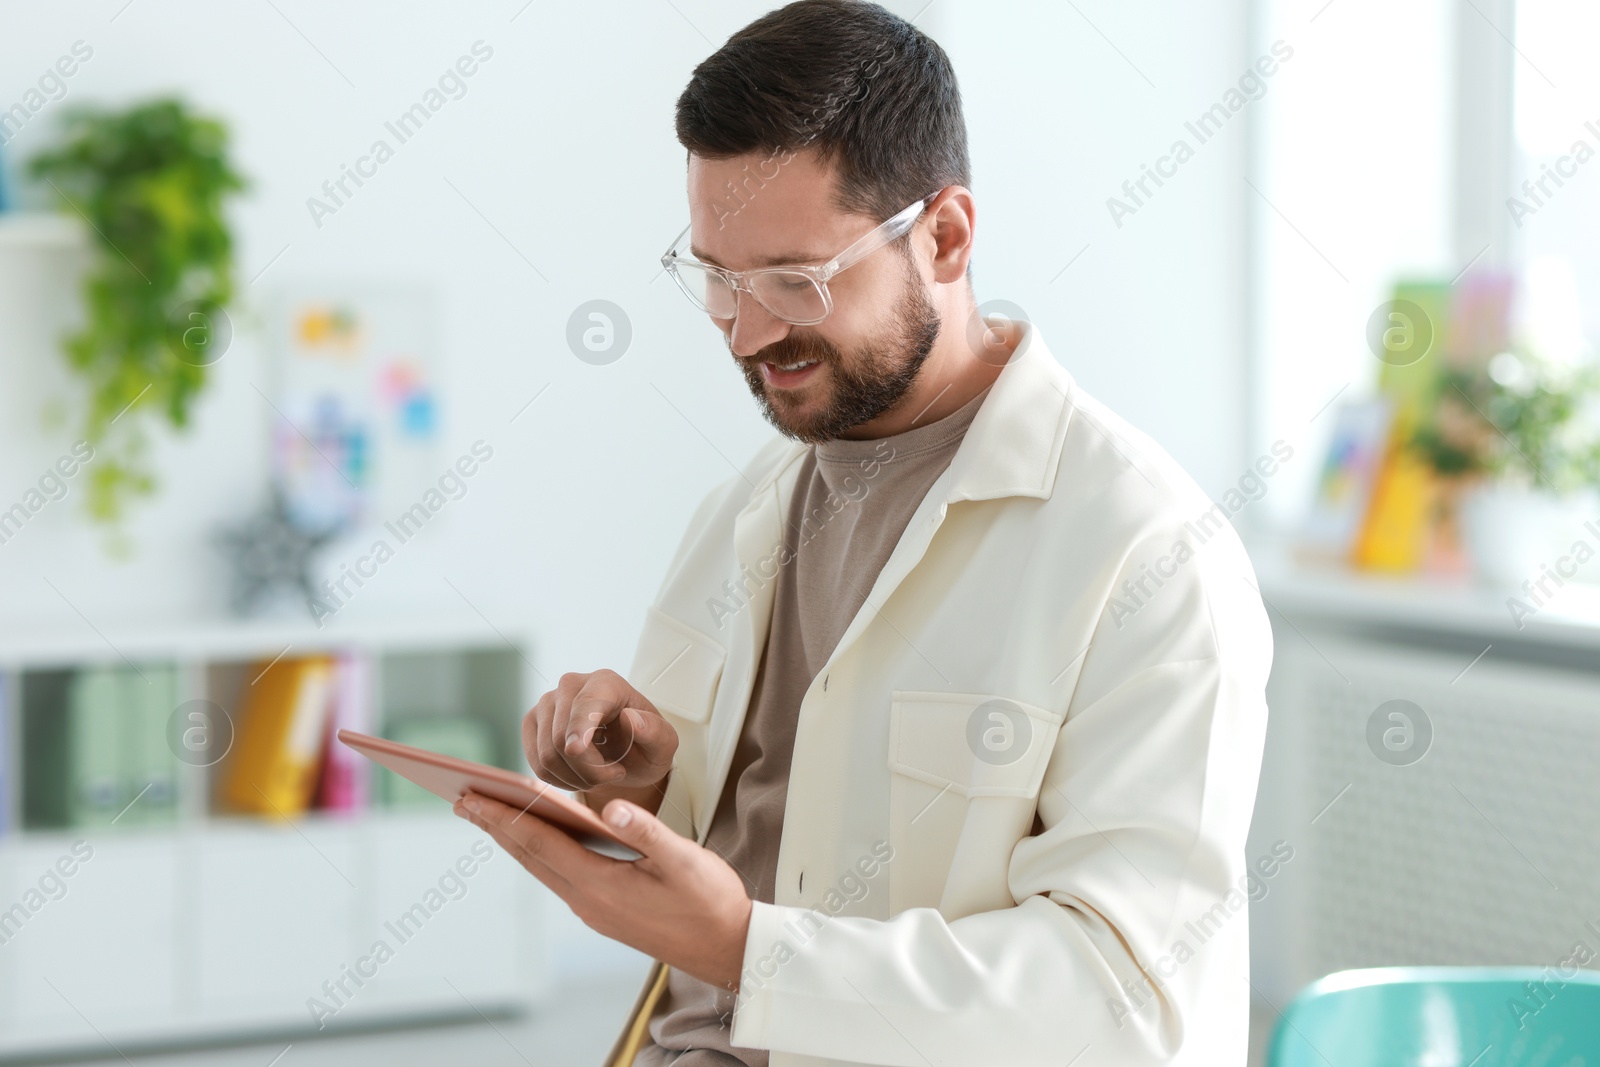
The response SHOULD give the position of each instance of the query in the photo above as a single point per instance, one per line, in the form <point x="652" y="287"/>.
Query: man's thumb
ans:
<point x="637" y="828"/>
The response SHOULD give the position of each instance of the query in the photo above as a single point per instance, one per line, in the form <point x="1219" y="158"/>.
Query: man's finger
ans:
<point x="540" y="841"/>
<point x="646" y="834"/>
<point x="556" y="726"/>
<point x="553" y="738"/>
<point x="519" y="833"/>
<point x="648" y="731"/>
<point x="593" y="708"/>
<point x="553" y="767"/>
<point x="536" y="734"/>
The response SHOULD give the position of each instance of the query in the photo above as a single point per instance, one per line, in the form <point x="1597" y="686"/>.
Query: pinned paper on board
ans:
<point x="357" y="402"/>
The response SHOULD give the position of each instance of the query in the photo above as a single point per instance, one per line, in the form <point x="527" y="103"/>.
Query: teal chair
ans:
<point x="1443" y="1017"/>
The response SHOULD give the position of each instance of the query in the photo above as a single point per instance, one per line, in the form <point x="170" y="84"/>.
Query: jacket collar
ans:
<point x="1014" y="443"/>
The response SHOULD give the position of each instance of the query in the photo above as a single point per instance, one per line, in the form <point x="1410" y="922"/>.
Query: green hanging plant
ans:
<point x="151" y="181"/>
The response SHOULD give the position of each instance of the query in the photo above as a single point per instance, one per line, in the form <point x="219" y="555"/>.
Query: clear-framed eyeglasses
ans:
<point x="796" y="294"/>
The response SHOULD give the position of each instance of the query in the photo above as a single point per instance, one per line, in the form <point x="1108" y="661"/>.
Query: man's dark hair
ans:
<point x="865" y="89"/>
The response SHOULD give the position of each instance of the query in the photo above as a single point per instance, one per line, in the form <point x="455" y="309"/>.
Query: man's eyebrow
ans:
<point x="785" y="260"/>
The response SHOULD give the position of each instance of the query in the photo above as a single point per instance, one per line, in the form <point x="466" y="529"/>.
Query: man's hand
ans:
<point x="679" y="903"/>
<point x="596" y="734"/>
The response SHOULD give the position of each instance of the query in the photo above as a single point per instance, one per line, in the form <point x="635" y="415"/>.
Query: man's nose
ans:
<point x="754" y="327"/>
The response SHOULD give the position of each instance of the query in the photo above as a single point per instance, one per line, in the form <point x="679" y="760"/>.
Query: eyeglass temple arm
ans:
<point x="870" y="243"/>
<point x="672" y="250"/>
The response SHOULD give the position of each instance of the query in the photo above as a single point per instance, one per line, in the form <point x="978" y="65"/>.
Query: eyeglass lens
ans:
<point x="789" y="295"/>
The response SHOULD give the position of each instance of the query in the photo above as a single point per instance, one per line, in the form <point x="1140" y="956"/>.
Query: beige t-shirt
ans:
<point x="852" y="502"/>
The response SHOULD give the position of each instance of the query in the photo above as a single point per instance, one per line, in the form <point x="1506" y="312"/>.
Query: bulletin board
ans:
<point x="355" y="430"/>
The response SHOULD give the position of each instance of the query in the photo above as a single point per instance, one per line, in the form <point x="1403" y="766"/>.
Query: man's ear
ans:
<point x="951" y="224"/>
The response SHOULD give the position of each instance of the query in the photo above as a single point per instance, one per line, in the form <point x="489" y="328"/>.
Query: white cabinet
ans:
<point x="274" y="915"/>
<point x="229" y="929"/>
<point x="100" y="950"/>
<point x="437" y="888"/>
<point x="219" y="926"/>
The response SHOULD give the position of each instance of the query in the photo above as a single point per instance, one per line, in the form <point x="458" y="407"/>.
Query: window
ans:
<point x="1554" y="201"/>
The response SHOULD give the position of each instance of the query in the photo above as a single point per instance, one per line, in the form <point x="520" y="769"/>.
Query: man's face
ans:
<point x="868" y="352"/>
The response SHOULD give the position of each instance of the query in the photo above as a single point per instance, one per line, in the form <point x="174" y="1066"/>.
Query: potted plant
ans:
<point x="1521" y="438"/>
<point x="151" y="181"/>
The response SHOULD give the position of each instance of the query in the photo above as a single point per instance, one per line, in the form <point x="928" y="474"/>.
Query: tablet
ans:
<point x="451" y="778"/>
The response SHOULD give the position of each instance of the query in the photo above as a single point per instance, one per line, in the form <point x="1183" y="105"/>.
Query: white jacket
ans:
<point x="1021" y="784"/>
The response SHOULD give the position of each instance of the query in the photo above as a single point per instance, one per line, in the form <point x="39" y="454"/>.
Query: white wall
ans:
<point x="564" y="141"/>
<point x="1065" y="102"/>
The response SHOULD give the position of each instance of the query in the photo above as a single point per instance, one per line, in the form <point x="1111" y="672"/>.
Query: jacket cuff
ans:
<point x="757" y="985"/>
<point x="674" y="807"/>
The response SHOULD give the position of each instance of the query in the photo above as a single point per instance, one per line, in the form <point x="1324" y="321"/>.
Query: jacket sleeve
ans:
<point x="1145" y="805"/>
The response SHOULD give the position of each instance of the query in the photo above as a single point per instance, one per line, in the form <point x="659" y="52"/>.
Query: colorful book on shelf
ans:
<point x="1480" y="317"/>
<point x="95" y="710"/>
<point x="7" y="782"/>
<point x="150" y="769"/>
<point x="1344" y="490"/>
<point x="1395" y="532"/>
<point x="1394" y="536"/>
<point x="461" y="736"/>
<point x="279" y="738"/>
<point x="76" y="734"/>
<point x="42" y="705"/>
<point x="1413" y="342"/>
<point x="346" y="781"/>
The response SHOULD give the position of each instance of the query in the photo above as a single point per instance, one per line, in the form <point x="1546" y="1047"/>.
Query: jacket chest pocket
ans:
<point x="677" y="667"/>
<point x="965" y="772"/>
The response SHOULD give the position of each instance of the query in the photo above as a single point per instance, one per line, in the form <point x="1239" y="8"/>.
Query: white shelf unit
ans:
<point x="221" y="928"/>
<point x="36" y="230"/>
<point x="1458" y="607"/>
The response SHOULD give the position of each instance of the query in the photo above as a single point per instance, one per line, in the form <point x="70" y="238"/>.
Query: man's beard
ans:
<point x="867" y="384"/>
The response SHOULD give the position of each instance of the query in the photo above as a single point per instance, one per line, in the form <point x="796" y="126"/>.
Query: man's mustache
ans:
<point x="795" y="350"/>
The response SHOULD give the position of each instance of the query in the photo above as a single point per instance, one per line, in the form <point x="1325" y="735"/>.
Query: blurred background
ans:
<point x="339" y="386"/>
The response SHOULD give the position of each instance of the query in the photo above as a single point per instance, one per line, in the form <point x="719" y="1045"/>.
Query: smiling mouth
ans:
<point x="789" y="375"/>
